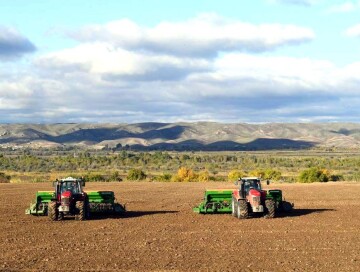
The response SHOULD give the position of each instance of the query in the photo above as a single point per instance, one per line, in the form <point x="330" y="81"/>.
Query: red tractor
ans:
<point x="250" y="198"/>
<point x="69" y="199"/>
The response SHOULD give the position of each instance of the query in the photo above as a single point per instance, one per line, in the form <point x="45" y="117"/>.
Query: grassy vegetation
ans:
<point x="287" y="166"/>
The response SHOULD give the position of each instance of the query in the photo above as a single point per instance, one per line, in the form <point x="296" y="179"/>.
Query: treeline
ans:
<point x="165" y="165"/>
<point x="171" y="161"/>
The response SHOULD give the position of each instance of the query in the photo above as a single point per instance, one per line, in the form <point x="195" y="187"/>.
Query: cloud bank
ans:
<point x="205" y="35"/>
<point x="13" y="44"/>
<point x="206" y="68"/>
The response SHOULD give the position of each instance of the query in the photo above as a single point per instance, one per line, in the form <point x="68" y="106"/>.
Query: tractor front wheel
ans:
<point x="270" y="207"/>
<point x="242" y="209"/>
<point x="53" y="212"/>
<point x="234" y="207"/>
<point x="87" y="210"/>
<point x="61" y="216"/>
<point x="81" y="213"/>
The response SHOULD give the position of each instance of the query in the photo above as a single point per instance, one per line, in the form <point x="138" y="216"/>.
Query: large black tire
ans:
<point x="286" y="206"/>
<point x="53" y="212"/>
<point x="61" y="216"/>
<point x="87" y="210"/>
<point x="270" y="208"/>
<point x="234" y="207"/>
<point x="81" y="211"/>
<point x="242" y="209"/>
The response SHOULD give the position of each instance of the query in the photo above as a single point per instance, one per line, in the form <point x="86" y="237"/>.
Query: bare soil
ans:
<point x="160" y="232"/>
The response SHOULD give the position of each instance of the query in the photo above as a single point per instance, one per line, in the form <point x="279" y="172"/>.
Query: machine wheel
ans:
<point x="53" y="212"/>
<point x="234" y="207"/>
<point x="81" y="215"/>
<point x="61" y="216"/>
<point x="286" y="206"/>
<point x="87" y="210"/>
<point x="270" y="208"/>
<point x="242" y="209"/>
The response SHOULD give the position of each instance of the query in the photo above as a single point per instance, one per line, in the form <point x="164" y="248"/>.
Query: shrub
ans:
<point x="115" y="176"/>
<point x="164" y="177"/>
<point x="272" y="174"/>
<point x="314" y="175"/>
<point x="94" y="177"/>
<point x="136" y="174"/>
<point x="204" y="176"/>
<point x="257" y="173"/>
<point x="336" y="178"/>
<point x="184" y="174"/>
<point x="235" y="175"/>
<point x="175" y="178"/>
<point x="4" y="178"/>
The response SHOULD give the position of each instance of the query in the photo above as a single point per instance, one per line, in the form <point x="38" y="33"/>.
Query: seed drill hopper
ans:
<point x="215" y="201"/>
<point x="68" y="198"/>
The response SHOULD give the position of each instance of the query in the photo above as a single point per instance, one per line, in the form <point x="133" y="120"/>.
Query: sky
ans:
<point x="115" y="61"/>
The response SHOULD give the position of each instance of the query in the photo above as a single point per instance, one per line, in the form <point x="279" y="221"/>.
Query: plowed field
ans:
<point x="160" y="232"/>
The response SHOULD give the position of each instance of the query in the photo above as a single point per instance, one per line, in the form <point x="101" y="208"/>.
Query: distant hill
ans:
<point x="207" y="136"/>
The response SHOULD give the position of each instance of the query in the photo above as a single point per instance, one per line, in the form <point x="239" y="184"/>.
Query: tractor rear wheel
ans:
<point x="270" y="207"/>
<point x="81" y="215"/>
<point x="53" y="212"/>
<point x="242" y="209"/>
<point x="234" y="207"/>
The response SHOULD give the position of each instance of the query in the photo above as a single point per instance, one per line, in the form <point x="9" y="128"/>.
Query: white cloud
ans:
<point x="15" y="95"/>
<point x="345" y="7"/>
<point x="253" y="87"/>
<point x="296" y="2"/>
<point x="284" y="70"/>
<point x="353" y="31"/>
<point x="106" y="60"/>
<point x="205" y="35"/>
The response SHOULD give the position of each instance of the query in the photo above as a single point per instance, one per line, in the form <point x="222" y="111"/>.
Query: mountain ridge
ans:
<point x="183" y="135"/>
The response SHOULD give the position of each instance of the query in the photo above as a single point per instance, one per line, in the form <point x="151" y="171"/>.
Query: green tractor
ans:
<point x="69" y="199"/>
<point x="248" y="199"/>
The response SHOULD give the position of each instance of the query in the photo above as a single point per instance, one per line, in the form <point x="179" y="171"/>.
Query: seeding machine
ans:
<point x="248" y="199"/>
<point x="69" y="199"/>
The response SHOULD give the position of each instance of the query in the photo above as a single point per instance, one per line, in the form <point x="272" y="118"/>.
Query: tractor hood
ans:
<point x="254" y="192"/>
<point x="67" y="194"/>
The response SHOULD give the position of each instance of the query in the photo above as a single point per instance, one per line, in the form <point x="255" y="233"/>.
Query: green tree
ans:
<point x="314" y="175"/>
<point x="272" y="174"/>
<point x="136" y="174"/>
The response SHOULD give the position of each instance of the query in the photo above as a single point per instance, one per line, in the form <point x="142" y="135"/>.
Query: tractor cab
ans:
<point x="69" y="184"/>
<point x="246" y="184"/>
<point x="73" y="186"/>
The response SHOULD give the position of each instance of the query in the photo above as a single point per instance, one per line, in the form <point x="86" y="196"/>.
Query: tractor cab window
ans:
<point x="70" y="186"/>
<point x="252" y="184"/>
